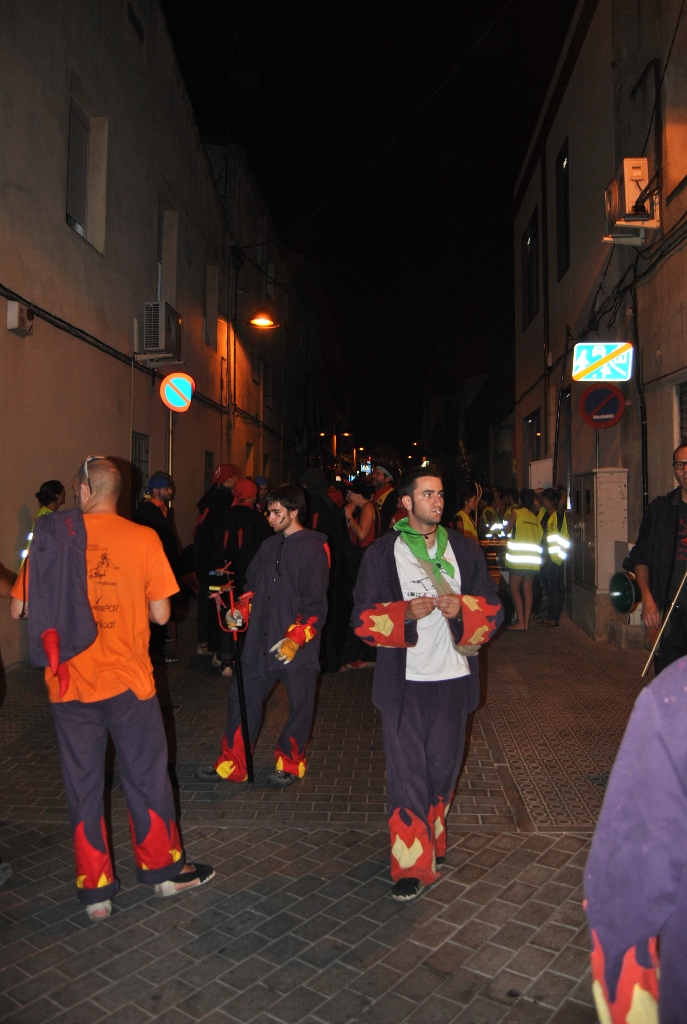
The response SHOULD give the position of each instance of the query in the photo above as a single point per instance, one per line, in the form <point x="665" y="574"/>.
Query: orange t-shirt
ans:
<point x="126" y="568"/>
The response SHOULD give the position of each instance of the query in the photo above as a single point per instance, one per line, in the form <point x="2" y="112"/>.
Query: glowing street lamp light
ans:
<point x="263" y="318"/>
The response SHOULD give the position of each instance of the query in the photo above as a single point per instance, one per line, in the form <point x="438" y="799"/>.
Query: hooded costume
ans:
<point x="424" y="715"/>
<point x="288" y="578"/>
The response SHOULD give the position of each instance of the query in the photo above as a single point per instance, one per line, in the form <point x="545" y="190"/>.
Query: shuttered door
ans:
<point x="683" y="411"/>
<point x="77" y="171"/>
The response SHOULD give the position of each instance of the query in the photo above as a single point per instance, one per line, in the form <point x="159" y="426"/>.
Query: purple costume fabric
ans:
<point x="635" y="878"/>
<point x="139" y="737"/>
<point x="378" y="581"/>
<point x="59" y="593"/>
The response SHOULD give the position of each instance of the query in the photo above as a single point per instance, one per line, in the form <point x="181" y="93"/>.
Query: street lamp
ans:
<point x="263" y="318"/>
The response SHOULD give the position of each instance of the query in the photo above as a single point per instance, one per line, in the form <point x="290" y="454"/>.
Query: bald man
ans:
<point x="109" y="687"/>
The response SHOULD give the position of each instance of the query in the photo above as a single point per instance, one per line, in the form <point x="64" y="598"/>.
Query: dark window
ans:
<point x="135" y="22"/>
<point x="77" y="170"/>
<point x="209" y="470"/>
<point x="562" y="211"/>
<point x="529" y="268"/>
<point x="140" y="466"/>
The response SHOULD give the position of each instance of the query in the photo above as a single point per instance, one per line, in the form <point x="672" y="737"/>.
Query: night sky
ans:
<point x="416" y="254"/>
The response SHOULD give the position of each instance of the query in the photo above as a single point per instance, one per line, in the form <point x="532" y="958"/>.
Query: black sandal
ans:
<point x="202" y="873"/>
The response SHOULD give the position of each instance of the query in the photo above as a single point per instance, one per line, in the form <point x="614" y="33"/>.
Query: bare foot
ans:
<point x="517" y="628"/>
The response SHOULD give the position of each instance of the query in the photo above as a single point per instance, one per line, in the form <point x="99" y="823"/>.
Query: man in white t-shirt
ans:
<point x="424" y="598"/>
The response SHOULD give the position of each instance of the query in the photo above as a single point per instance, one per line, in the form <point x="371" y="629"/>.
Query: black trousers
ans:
<point x="550" y="576"/>
<point x="673" y="643"/>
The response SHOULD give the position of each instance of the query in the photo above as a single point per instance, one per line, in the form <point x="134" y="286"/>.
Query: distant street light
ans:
<point x="263" y="318"/>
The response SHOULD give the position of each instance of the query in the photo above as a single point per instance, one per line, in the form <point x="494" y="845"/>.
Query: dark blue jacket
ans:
<point x="656" y="543"/>
<point x="378" y="583"/>
<point x="289" y="577"/>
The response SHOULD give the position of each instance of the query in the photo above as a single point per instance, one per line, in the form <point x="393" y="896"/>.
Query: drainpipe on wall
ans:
<point x="642" y="404"/>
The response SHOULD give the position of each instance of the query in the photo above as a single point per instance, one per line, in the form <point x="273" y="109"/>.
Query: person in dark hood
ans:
<point x="245" y="530"/>
<point x="208" y="540"/>
<point x="323" y="515"/>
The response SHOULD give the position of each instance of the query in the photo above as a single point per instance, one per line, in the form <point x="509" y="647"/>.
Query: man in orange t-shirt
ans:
<point x="111" y="689"/>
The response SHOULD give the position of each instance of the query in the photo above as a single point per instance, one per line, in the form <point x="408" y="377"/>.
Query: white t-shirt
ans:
<point x="434" y="657"/>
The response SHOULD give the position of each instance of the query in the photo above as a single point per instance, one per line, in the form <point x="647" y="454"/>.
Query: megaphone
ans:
<point x="624" y="592"/>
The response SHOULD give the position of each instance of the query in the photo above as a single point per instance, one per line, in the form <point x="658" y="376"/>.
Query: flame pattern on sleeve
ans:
<point x="384" y="624"/>
<point x="301" y="632"/>
<point x="479" y="619"/>
<point x="636" y="989"/>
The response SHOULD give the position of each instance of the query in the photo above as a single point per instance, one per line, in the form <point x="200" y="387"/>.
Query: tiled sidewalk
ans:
<point x="298" y="927"/>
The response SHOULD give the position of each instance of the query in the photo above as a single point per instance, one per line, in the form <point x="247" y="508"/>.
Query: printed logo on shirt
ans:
<point x="102" y="568"/>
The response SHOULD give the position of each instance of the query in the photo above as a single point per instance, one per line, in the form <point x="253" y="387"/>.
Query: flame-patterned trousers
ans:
<point x="423" y="757"/>
<point x="139" y="737"/>
<point x="289" y="753"/>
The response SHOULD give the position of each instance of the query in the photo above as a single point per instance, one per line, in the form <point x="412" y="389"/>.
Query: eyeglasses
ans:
<point x="679" y="465"/>
<point x="90" y="458"/>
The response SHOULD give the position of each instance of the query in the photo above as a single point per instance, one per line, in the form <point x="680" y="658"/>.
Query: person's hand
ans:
<point x="449" y="606"/>
<point x="285" y="650"/>
<point x="651" y="616"/>
<point x="420" y="608"/>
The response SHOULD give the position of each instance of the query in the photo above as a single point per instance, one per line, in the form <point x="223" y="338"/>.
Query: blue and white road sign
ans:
<point x="176" y="391"/>
<point x="602" y="360"/>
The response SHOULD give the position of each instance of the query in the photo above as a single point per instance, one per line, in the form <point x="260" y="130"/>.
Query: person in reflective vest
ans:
<point x="466" y="516"/>
<point x="556" y="550"/>
<point x="523" y="555"/>
<point x="491" y="523"/>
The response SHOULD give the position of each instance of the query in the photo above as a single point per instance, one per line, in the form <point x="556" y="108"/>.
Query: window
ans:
<point x="209" y="470"/>
<point x="267" y="385"/>
<point x="562" y="211"/>
<point x="135" y="22"/>
<point x="529" y="270"/>
<point x="140" y="466"/>
<point x="86" y="172"/>
<point x="77" y="169"/>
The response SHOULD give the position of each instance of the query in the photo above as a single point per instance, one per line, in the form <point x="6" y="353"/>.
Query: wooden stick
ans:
<point x="665" y="623"/>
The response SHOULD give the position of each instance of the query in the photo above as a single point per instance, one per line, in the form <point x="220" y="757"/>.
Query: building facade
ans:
<point x="617" y="93"/>
<point x="117" y="238"/>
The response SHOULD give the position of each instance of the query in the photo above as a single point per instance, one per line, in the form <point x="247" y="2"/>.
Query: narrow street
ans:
<point x="298" y="926"/>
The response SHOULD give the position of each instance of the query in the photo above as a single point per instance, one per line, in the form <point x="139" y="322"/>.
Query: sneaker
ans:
<point x="406" y="889"/>
<point x="216" y="661"/>
<point x="440" y="861"/>
<point x="207" y="773"/>
<point x="170" y="659"/>
<point x="227" y="671"/>
<point x="283" y="779"/>
<point x="203" y="649"/>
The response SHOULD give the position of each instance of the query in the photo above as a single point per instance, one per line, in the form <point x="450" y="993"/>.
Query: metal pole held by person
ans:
<point x="663" y="626"/>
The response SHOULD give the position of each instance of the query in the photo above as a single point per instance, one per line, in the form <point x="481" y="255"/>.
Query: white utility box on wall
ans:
<point x="541" y="473"/>
<point x="599" y="502"/>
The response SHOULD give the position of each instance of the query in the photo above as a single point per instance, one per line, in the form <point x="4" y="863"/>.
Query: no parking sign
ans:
<point x="176" y="391"/>
<point x="602" y="405"/>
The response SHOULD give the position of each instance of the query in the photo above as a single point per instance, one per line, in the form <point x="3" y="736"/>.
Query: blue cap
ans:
<point x="159" y="480"/>
<point x="261" y="481"/>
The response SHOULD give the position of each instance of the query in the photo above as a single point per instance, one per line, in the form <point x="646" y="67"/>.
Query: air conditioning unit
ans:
<point x="19" y="319"/>
<point x="161" y="331"/>
<point x="632" y="203"/>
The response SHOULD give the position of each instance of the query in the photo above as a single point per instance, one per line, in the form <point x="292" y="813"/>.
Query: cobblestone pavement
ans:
<point x="298" y="926"/>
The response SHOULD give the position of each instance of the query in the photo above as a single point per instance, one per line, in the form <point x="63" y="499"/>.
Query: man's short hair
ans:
<point x="550" y="494"/>
<point x="291" y="497"/>
<point x="102" y="476"/>
<point x="682" y="444"/>
<point x="527" y="497"/>
<point x="408" y="482"/>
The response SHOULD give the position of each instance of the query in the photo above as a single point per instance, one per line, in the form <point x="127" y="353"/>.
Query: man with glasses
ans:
<point x="288" y="579"/>
<point x="109" y="685"/>
<point x="659" y="562"/>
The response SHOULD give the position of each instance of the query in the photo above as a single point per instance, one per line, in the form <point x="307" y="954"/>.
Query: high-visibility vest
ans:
<point x="524" y="550"/>
<point x="468" y="525"/>
<point x="541" y="513"/>
<point x="492" y="522"/>
<point x="557" y="540"/>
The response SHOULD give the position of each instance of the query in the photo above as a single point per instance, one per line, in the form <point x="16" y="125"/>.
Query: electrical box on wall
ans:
<point x="632" y="203"/>
<point x="599" y="523"/>
<point x="19" y="319"/>
<point x="541" y="473"/>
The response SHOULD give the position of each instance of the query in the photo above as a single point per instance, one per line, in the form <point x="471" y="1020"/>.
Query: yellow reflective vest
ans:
<point x="557" y="539"/>
<point x="469" y="529"/>
<point x="524" y="549"/>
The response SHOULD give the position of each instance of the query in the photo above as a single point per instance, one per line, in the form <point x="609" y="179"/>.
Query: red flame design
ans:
<point x="412" y="848"/>
<point x="231" y="764"/>
<point x="295" y="764"/>
<point x="437" y="822"/>
<point x="51" y="645"/>
<point x="388" y="613"/>
<point x="161" y="847"/>
<point x="93" y="867"/>
<point x="631" y="974"/>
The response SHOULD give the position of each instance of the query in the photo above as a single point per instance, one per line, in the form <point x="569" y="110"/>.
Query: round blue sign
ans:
<point x="602" y="405"/>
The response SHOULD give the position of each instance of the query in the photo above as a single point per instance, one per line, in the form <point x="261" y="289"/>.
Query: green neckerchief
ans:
<point x="416" y="542"/>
